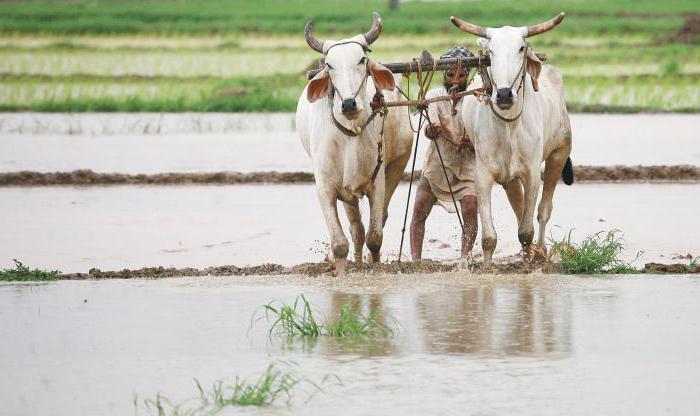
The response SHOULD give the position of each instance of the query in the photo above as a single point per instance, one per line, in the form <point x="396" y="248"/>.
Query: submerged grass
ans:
<point x="299" y="320"/>
<point x="596" y="254"/>
<point x="274" y="385"/>
<point x="24" y="273"/>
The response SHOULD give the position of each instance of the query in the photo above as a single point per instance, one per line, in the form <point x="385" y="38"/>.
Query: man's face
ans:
<point x="455" y="77"/>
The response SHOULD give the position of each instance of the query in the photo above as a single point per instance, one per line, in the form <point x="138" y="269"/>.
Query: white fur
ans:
<point x="511" y="154"/>
<point x="343" y="165"/>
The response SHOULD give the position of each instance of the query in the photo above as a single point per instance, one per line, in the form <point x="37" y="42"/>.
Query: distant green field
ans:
<point x="288" y="16"/>
<point x="251" y="56"/>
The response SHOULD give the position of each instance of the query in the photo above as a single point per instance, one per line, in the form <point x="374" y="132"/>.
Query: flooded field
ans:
<point x="538" y="345"/>
<point x="75" y="229"/>
<point x="134" y="143"/>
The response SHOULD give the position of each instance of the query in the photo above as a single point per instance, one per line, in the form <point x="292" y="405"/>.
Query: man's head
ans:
<point x="456" y="77"/>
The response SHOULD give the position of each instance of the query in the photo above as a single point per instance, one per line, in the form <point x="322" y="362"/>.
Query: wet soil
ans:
<point x="689" y="32"/>
<point x="326" y="268"/>
<point x="647" y="174"/>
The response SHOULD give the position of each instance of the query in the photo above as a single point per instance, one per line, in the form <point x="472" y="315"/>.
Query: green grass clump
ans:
<point x="596" y="254"/>
<point x="299" y="320"/>
<point x="353" y="324"/>
<point x="271" y="387"/>
<point x="23" y="273"/>
<point x="292" y="322"/>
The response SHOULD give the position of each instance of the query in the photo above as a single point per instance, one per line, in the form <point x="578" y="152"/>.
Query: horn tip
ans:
<point x="561" y="17"/>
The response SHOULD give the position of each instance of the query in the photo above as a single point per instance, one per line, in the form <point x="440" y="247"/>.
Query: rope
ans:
<point x="410" y="184"/>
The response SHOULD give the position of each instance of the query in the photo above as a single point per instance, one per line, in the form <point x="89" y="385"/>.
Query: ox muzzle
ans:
<point x="505" y="98"/>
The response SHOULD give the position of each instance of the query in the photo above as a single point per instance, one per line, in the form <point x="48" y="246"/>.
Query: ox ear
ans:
<point x="383" y="78"/>
<point x="534" y="65"/>
<point x="318" y="86"/>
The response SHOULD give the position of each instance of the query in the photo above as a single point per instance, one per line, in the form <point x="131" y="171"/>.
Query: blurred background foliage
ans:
<point x="250" y="56"/>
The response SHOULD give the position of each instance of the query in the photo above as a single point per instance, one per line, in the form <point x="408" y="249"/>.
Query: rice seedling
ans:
<point x="275" y="385"/>
<point x="353" y="324"/>
<point x="596" y="254"/>
<point x="292" y="322"/>
<point x="299" y="320"/>
<point x="24" y="273"/>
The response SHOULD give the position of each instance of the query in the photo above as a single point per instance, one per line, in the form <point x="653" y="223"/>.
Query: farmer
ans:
<point x="445" y="128"/>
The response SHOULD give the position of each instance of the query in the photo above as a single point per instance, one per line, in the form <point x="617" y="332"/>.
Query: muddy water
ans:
<point x="542" y="345"/>
<point x="153" y="143"/>
<point x="75" y="229"/>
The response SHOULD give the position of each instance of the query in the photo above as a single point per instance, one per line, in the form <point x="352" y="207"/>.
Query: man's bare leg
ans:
<point x="421" y="209"/>
<point x="471" y="225"/>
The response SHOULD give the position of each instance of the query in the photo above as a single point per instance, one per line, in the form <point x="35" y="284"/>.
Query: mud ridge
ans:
<point x="651" y="174"/>
<point x="321" y="269"/>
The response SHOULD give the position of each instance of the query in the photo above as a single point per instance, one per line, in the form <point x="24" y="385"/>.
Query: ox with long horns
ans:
<point x="522" y="123"/>
<point x="351" y="157"/>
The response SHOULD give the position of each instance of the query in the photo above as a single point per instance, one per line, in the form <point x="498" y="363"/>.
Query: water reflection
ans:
<point x="491" y="320"/>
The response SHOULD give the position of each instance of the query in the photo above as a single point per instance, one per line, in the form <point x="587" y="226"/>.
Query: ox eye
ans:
<point x="522" y="49"/>
<point x="362" y="61"/>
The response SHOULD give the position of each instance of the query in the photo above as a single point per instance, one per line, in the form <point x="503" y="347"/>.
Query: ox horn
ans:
<point x="543" y="27"/>
<point x="315" y="44"/>
<point x="376" y="29"/>
<point x="469" y="27"/>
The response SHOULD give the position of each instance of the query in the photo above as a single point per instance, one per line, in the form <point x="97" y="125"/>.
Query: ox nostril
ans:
<point x="349" y="105"/>
<point x="504" y="94"/>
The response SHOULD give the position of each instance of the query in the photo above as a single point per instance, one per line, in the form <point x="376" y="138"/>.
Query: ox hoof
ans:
<point x="466" y="264"/>
<point x="340" y="266"/>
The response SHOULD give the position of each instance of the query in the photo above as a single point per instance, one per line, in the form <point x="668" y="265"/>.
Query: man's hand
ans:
<point x="432" y="131"/>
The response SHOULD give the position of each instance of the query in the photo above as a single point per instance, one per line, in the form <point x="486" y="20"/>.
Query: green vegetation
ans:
<point x="280" y="16"/>
<point x="272" y="386"/>
<point x="596" y="254"/>
<point x="24" y="273"/>
<point x="218" y="55"/>
<point x="299" y="320"/>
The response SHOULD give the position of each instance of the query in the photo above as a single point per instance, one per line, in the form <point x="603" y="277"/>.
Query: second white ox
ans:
<point x="530" y="125"/>
<point x="349" y="156"/>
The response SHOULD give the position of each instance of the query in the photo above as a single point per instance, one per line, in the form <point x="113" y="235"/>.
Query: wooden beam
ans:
<point x="439" y="65"/>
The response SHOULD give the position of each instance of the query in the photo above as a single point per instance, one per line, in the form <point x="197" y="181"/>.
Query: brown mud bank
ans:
<point x="647" y="174"/>
<point x="318" y="269"/>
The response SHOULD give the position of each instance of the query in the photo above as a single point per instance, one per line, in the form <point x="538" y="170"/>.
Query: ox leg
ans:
<point x="339" y="243"/>
<point x="484" y="184"/>
<point x="376" y="217"/>
<point x="393" y="174"/>
<point x="357" y="230"/>
<point x="516" y="197"/>
<point x="552" y="172"/>
<point x="526" y="228"/>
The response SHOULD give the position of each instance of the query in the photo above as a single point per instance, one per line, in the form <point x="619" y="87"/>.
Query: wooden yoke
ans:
<point x="429" y="65"/>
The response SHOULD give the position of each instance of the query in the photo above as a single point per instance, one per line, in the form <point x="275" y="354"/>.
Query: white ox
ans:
<point x="530" y="125"/>
<point x="345" y="164"/>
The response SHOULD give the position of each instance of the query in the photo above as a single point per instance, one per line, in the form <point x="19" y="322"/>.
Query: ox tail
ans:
<point x="567" y="174"/>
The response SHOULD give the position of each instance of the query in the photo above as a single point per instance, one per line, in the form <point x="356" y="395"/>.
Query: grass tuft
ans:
<point x="299" y="320"/>
<point x="272" y="386"/>
<point x="23" y="273"/>
<point x="354" y="324"/>
<point x="596" y="254"/>
<point x="292" y="322"/>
